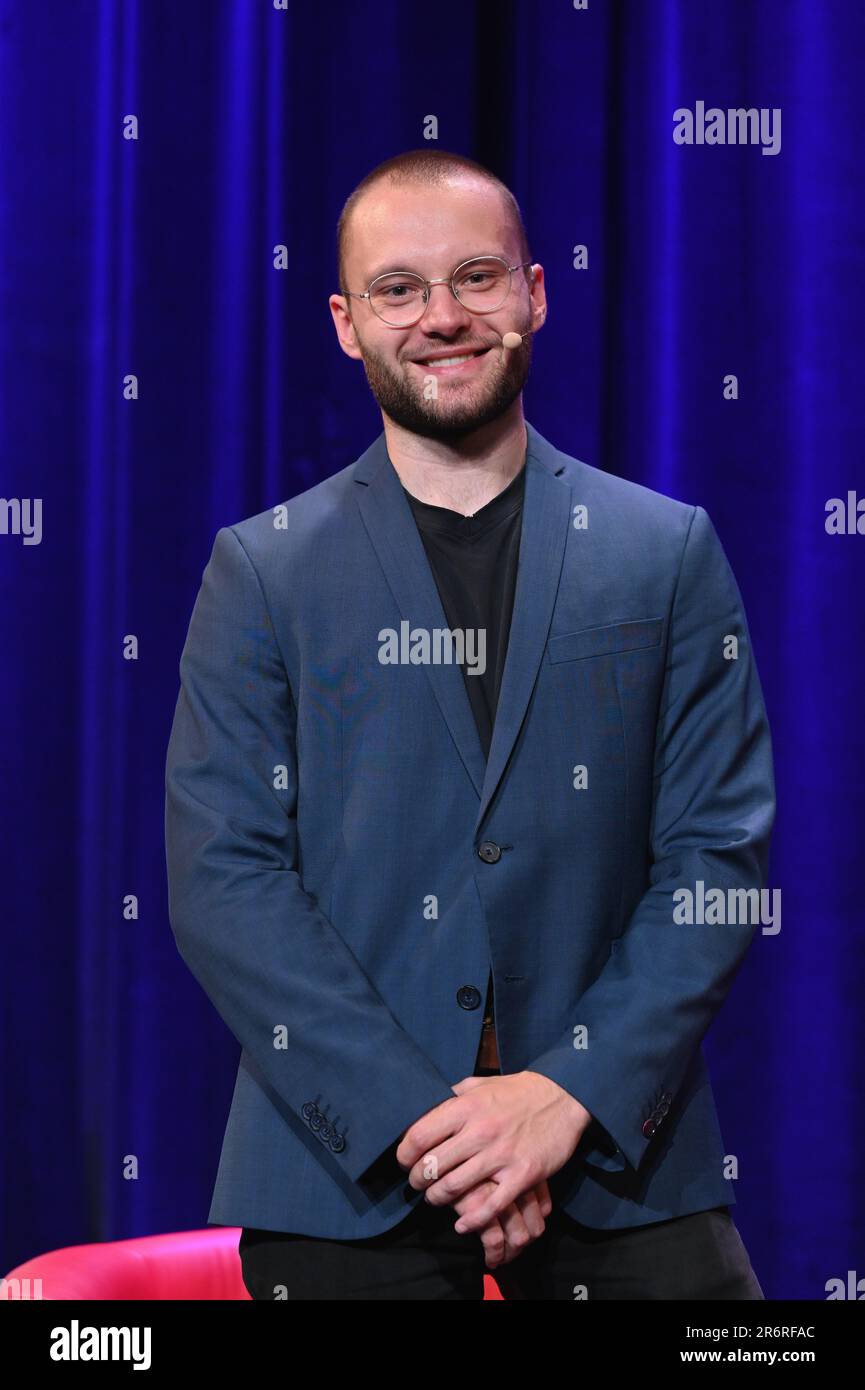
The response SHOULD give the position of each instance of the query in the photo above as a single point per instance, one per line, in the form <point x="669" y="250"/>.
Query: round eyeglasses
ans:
<point x="400" y="297"/>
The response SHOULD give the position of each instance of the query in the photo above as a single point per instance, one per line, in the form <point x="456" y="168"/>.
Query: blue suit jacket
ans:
<point x="344" y="868"/>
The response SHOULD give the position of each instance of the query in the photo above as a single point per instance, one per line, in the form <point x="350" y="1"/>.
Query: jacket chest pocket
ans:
<point x="606" y="640"/>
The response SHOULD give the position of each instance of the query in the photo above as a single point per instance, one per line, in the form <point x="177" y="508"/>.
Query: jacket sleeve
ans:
<point x="279" y="973"/>
<point x="712" y="815"/>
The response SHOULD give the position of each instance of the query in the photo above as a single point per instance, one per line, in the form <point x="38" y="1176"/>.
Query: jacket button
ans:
<point x="337" y="1143"/>
<point x="649" y="1127"/>
<point x="468" y="997"/>
<point x="489" y="851"/>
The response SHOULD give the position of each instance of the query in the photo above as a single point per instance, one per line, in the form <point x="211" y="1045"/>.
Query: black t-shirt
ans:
<point x="474" y="564"/>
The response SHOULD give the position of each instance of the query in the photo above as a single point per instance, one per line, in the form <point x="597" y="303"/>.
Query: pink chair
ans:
<point x="183" y="1264"/>
<point x="180" y="1265"/>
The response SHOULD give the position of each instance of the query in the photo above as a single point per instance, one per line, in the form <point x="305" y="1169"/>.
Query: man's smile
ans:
<point x="453" y="363"/>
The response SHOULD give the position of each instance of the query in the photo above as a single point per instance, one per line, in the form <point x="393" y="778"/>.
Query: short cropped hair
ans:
<point x="431" y="167"/>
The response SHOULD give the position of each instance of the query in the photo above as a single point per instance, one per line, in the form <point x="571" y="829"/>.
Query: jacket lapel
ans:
<point x="391" y="526"/>
<point x="546" y="516"/>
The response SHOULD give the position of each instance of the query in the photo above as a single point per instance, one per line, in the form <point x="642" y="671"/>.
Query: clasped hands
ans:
<point x="489" y="1151"/>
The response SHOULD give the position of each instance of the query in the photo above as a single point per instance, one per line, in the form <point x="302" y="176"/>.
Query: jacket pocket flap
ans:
<point x="603" y="641"/>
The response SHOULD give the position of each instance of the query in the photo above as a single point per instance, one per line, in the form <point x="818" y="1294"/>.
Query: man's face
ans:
<point x="430" y="231"/>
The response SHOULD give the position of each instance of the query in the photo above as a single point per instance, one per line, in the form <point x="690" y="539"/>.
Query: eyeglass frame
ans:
<point x="440" y="280"/>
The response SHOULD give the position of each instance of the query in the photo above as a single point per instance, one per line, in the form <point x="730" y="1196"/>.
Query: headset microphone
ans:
<point x="512" y="340"/>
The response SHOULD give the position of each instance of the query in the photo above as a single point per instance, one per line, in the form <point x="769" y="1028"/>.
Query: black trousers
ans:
<point x="689" y="1257"/>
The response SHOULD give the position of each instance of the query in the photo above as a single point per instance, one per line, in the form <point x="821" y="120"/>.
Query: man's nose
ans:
<point x="444" y="313"/>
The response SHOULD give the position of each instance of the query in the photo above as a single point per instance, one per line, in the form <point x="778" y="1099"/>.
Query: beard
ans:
<point x="460" y="407"/>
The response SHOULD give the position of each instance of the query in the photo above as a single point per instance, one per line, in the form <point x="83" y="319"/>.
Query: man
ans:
<point x="455" y="728"/>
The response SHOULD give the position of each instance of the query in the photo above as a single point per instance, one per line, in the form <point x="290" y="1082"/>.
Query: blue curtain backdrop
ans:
<point x="155" y="257"/>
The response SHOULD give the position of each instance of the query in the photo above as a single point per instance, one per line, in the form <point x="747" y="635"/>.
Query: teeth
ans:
<point x="449" y="361"/>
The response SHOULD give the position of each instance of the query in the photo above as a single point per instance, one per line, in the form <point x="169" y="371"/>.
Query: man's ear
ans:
<point x="344" y="325"/>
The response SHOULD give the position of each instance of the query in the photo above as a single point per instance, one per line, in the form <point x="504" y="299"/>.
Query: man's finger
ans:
<point x="492" y="1236"/>
<point x="527" y="1203"/>
<point x="508" y="1188"/>
<point x="544" y="1198"/>
<point x="435" y="1127"/>
<point x="494" y="1244"/>
<point x="517" y="1231"/>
